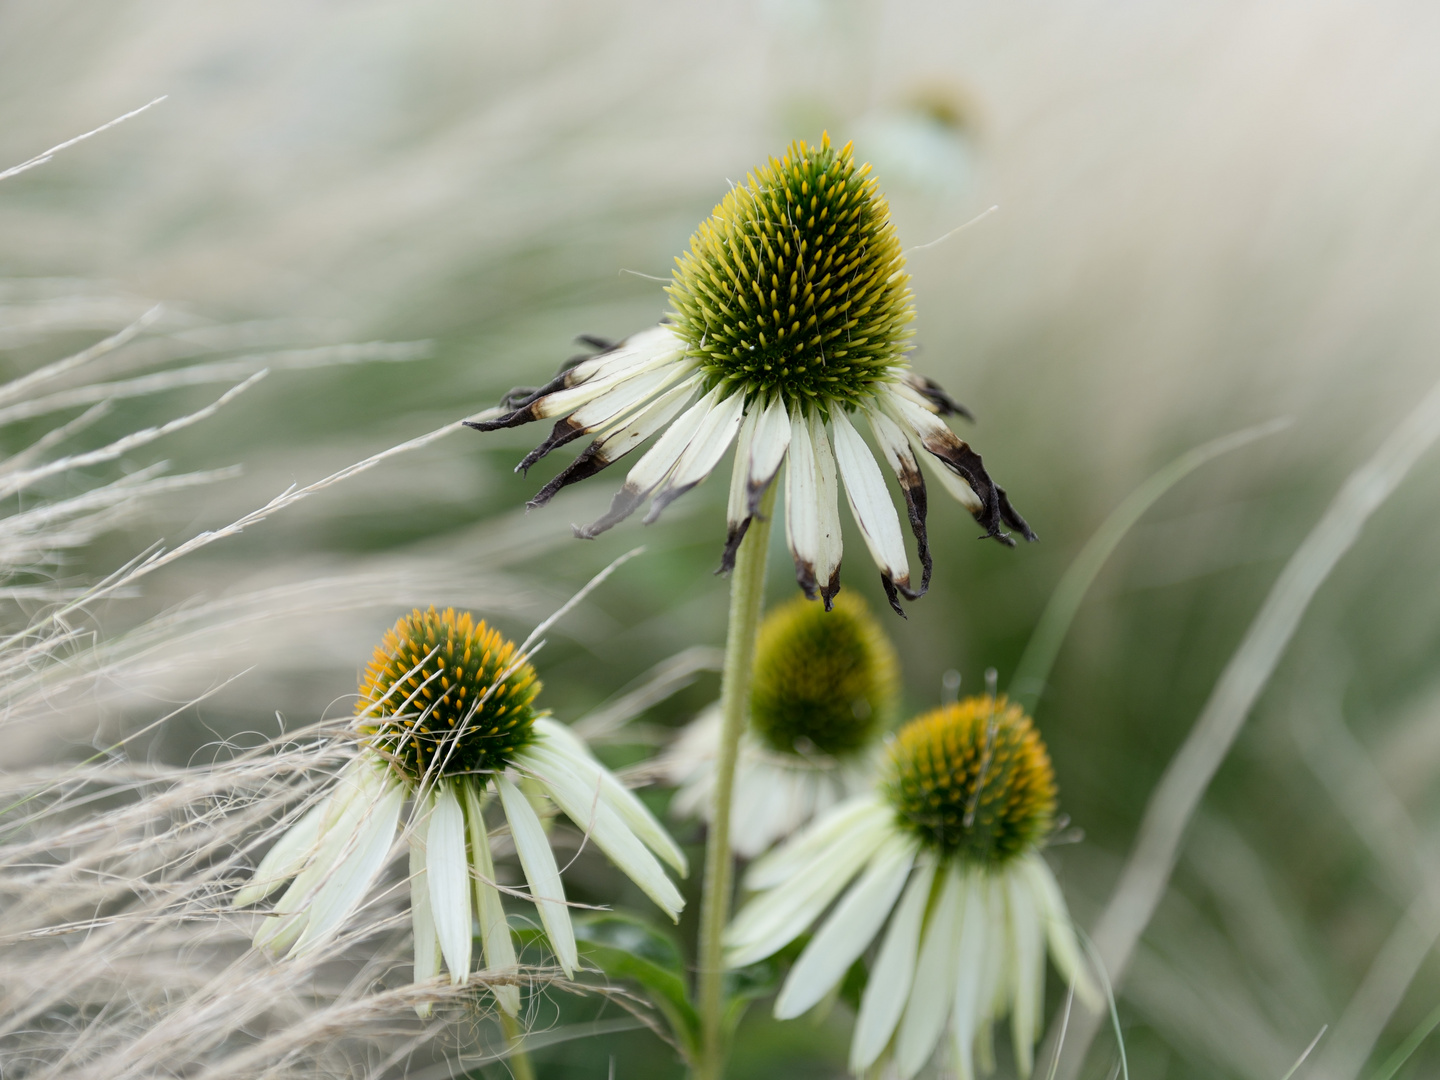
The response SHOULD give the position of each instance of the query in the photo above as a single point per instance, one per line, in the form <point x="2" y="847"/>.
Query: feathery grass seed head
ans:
<point x="939" y="760"/>
<point x="433" y="696"/>
<point x="795" y="286"/>
<point x="827" y="678"/>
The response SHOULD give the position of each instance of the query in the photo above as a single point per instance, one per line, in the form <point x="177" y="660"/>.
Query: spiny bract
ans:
<point x="796" y="286"/>
<point x="826" y="679"/>
<point x="430" y="698"/>
<point x="938" y="761"/>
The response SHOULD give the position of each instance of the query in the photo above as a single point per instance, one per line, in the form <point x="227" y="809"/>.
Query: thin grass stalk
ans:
<point x="747" y="601"/>
<point x="1175" y="799"/>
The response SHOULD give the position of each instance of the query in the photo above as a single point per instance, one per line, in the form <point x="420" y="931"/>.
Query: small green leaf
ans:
<point x="626" y="948"/>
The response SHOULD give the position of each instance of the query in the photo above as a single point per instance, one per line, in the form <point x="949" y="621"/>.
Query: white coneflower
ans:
<point x="947" y="849"/>
<point x="446" y="709"/>
<point x="790" y="319"/>
<point x="824" y="690"/>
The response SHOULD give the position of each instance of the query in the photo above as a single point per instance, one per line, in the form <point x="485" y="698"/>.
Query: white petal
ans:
<point x="827" y="496"/>
<point x="935" y="976"/>
<point x="353" y="875"/>
<point x="890" y="980"/>
<point x="802" y="506"/>
<point x="538" y="862"/>
<point x="1027" y="959"/>
<point x="737" y="510"/>
<point x="847" y="932"/>
<point x="772" y="437"/>
<point x="995" y="973"/>
<point x="622" y="800"/>
<point x="756" y="806"/>
<point x="652" y="469"/>
<point x="793" y="858"/>
<point x="495" y="937"/>
<point x="635" y="351"/>
<point x="1064" y="949"/>
<point x="586" y="805"/>
<point x="870" y="501"/>
<point x="774" y="919"/>
<point x="959" y="490"/>
<point x="625" y="397"/>
<point x="977" y="932"/>
<point x="287" y="856"/>
<point x="619" y="441"/>
<point x="711" y="440"/>
<point x="448" y="868"/>
<point x="422" y="920"/>
<point x="602" y="382"/>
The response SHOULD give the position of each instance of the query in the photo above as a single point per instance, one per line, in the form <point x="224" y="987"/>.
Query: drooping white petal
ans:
<point x="772" y="437"/>
<point x="890" y="980"/>
<point x="1059" y="930"/>
<point x="495" y="938"/>
<point x="624" y="397"/>
<point x="652" y="469"/>
<point x="635" y="351"/>
<point x="586" y="805"/>
<point x="775" y="918"/>
<point x="1027" y="960"/>
<point x="355" y="791"/>
<point x="995" y="975"/>
<point x="959" y="490"/>
<point x="620" y="439"/>
<point x="708" y="446"/>
<point x="287" y="856"/>
<point x="448" y="868"/>
<point x="737" y="507"/>
<point x="802" y="506"/>
<point x="900" y="455"/>
<point x="352" y="877"/>
<point x="870" y="502"/>
<point x="601" y="384"/>
<point x="978" y="932"/>
<point x="795" y="857"/>
<point x="422" y="919"/>
<point x="538" y="862"/>
<point x="827" y="498"/>
<point x="847" y="932"/>
<point x="935" y="976"/>
<point x="561" y="740"/>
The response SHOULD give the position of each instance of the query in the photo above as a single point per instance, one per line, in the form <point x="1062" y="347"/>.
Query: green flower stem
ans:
<point x="517" y="1059"/>
<point x="747" y="601"/>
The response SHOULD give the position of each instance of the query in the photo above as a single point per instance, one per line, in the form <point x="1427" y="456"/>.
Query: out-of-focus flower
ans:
<point x="790" y="319"/>
<point x="946" y="848"/>
<point x="447" y="717"/>
<point x="825" y="689"/>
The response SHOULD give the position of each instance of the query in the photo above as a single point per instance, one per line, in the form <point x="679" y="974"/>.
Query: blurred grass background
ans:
<point x="1210" y="214"/>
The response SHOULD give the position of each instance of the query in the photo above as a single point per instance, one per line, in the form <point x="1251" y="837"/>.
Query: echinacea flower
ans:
<point x="946" y="848"/>
<point x="824" y="690"/>
<point x="446" y="717"/>
<point x="790" y="320"/>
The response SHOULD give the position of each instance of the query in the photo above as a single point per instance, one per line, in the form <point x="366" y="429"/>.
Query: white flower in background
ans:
<point x="946" y="848"/>
<point x="824" y="691"/>
<point x="790" y="321"/>
<point x="447" y="709"/>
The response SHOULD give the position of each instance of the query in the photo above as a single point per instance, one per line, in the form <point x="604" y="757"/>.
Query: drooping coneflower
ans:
<point x="447" y="719"/>
<point x="825" y="690"/>
<point x="790" y="321"/>
<point x="946" y="849"/>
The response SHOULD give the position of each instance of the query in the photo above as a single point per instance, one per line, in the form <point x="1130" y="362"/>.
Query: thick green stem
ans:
<point x="747" y="601"/>
<point x="517" y="1058"/>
